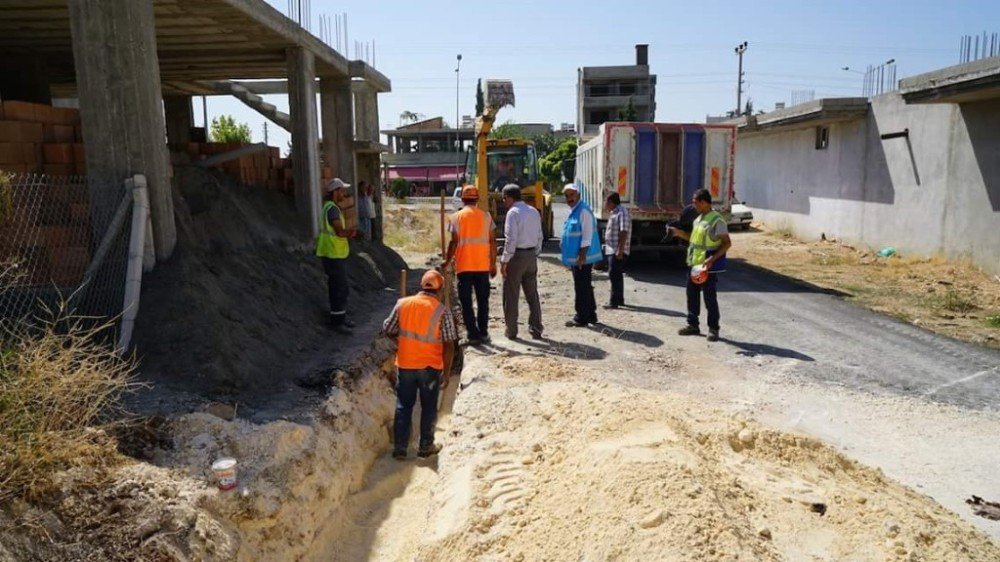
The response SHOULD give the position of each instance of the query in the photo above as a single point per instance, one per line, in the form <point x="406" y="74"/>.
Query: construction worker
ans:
<point x="708" y="243"/>
<point x="474" y="251"/>
<point x="523" y="240"/>
<point x="333" y="248"/>
<point x="425" y="331"/>
<point x="581" y="249"/>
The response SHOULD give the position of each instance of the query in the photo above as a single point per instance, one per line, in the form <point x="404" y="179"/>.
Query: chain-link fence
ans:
<point x="63" y="246"/>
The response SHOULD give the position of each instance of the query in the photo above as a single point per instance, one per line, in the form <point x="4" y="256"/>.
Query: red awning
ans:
<point x="427" y="173"/>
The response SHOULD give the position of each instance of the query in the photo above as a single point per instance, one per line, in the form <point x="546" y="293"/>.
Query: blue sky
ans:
<point x="793" y="45"/>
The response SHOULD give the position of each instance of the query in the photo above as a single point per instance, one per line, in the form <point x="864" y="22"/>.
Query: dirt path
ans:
<point x="624" y="443"/>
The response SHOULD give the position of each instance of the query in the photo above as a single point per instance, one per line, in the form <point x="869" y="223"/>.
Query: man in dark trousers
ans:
<point x="473" y="250"/>
<point x="708" y="243"/>
<point x="425" y="331"/>
<point x="581" y="249"/>
<point x="332" y="247"/>
<point x="617" y="243"/>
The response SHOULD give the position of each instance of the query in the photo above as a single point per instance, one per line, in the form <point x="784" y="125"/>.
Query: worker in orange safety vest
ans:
<point x="425" y="331"/>
<point x="473" y="250"/>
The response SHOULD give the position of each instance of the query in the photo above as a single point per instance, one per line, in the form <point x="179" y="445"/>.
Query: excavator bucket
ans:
<point x="499" y="93"/>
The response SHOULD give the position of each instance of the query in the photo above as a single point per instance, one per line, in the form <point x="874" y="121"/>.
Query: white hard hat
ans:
<point x="334" y="184"/>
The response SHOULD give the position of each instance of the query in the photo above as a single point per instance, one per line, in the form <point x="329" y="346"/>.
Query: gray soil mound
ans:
<point x="238" y="314"/>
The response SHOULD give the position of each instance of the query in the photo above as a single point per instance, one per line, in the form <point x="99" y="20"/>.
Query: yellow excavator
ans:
<point x="495" y="163"/>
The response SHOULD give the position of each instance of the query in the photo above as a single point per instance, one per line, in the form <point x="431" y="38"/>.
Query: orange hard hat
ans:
<point x="470" y="192"/>
<point x="699" y="274"/>
<point x="432" y="280"/>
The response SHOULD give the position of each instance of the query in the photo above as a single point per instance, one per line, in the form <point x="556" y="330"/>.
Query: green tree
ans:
<point x="507" y="130"/>
<point x="748" y="108"/>
<point x="628" y="113"/>
<point x="559" y="165"/>
<point x="226" y="129"/>
<point x="408" y="116"/>
<point x="400" y="188"/>
<point x="480" y="102"/>
<point x="545" y="144"/>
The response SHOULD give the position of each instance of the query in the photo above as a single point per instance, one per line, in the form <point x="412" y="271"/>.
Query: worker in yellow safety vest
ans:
<point x="473" y="250"/>
<point x="425" y="331"/>
<point x="708" y="243"/>
<point x="332" y="247"/>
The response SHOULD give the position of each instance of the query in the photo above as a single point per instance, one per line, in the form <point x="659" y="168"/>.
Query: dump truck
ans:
<point x="505" y="161"/>
<point x="656" y="168"/>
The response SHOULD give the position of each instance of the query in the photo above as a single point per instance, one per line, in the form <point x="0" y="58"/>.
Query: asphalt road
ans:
<point x="835" y="342"/>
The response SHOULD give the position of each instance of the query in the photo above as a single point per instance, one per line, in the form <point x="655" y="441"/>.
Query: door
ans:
<point x="670" y="168"/>
<point x="694" y="164"/>
<point x="645" y="165"/>
<point x="620" y="171"/>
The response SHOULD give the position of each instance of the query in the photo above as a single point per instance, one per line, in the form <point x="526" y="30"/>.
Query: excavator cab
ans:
<point x="507" y="161"/>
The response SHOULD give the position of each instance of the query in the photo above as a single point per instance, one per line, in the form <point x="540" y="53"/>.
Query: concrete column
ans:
<point x="118" y="80"/>
<point x="305" y="134"/>
<point x="338" y="127"/>
<point x="365" y="112"/>
<point x="180" y="118"/>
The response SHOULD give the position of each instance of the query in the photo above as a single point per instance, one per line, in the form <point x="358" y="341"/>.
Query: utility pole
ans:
<point x="265" y="132"/>
<point x="740" y="49"/>
<point x="458" y="133"/>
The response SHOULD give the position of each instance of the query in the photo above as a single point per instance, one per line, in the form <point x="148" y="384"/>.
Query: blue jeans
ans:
<point x="409" y="383"/>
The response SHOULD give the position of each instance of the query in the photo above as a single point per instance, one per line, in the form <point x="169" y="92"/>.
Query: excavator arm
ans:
<point x="499" y="94"/>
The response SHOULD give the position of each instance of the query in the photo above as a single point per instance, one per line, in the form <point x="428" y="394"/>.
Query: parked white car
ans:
<point x="456" y="199"/>
<point x="740" y="217"/>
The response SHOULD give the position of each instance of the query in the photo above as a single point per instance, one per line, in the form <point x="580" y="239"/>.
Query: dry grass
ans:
<point x="412" y="230"/>
<point x="57" y="383"/>
<point x="950" y="297"/>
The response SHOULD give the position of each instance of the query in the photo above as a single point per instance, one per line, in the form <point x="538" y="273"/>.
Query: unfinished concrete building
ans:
<point x="134" y="65"/>
<point x="602" y="92"/>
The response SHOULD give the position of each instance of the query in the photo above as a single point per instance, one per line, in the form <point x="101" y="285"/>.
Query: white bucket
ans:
<point x="225" y="473"/>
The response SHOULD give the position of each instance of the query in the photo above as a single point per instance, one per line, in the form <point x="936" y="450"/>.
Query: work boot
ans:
<point x="574" y="323"/>
<point x="537" y="336"/>
<point x="341" y="329"/>
<point x="429" y="451"/>
<point x="689" y="331"/>
<point x="399" y="455"/>
<point x="610" y="306"/>
<point x="713" y="335"/>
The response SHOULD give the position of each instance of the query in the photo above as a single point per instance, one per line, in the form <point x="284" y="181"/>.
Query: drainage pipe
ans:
<point x="136" y="255"/>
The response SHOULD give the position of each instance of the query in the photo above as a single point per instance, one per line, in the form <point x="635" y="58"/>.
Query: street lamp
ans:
<point x="864" y="80"/>
<point x="458" y="138"/>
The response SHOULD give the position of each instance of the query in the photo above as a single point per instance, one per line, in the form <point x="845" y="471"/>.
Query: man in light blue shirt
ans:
<point x="523" y="239"/>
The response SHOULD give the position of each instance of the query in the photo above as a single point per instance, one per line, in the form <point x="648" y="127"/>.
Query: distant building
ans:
<point x="468" y="122"/>
<point x="602" y="91"/>
<point x="427" y="154"/>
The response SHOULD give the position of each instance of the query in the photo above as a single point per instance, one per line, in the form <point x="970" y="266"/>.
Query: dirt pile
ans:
<point x="542" y="465"/>
<point x="239" y="311"/>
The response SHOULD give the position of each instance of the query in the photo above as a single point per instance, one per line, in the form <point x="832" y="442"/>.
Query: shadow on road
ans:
<point x="626" y="335"/>
<point x="572" y="350"/>
<point x="754" y="349"/>
<point x="740" y="277"/>
<point x="653" y="310"/>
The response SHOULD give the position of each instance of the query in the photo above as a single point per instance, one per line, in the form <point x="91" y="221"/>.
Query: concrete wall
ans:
<point x="936" y="191"/>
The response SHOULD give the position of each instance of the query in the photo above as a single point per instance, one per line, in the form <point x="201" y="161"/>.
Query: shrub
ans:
<point x="57" y="382"/>
<point x="400" y="188"/>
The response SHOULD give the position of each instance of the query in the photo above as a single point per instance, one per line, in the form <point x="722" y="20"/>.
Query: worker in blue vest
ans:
<point x="332" y="247"/>
<point x="581" y="249"/>
<point x="708" y="243"/>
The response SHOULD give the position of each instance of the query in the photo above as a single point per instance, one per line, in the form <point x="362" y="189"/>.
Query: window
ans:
<point x="822" y="137"/>
<point x="599" y="117"/>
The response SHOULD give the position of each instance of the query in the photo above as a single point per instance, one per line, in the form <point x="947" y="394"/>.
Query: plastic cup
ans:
<point x="225" y="473"/>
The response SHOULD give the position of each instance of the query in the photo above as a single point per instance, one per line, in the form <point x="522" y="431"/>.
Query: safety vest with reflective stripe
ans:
<point x="420" y="343"/>
<point x="473" y="252"/>
<point x="701" y="245"/>
<point x="328" y="244"/>
<point x="573" y="235"/>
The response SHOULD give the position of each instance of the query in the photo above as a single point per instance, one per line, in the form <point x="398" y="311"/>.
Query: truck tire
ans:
<point x="547" y="232"/>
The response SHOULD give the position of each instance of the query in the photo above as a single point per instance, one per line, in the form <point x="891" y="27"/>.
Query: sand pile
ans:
<point x="545" y="466"/>
<point x="239" y="310"/>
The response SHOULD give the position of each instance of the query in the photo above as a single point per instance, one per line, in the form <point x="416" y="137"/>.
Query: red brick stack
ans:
<point x="40" y="139"/>
<point x="263" y="169"/>
<point x="47" y="233"/>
